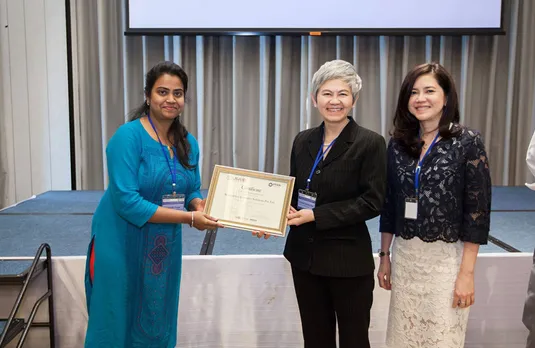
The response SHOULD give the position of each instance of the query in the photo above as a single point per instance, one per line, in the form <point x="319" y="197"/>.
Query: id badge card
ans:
<point x="175" y="201"/>
<point x="411" y="208"/>
<point x="306" y="199"/>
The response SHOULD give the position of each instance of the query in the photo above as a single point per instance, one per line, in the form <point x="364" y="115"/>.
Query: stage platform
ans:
<point x="237" y="289"/>
<point x="63" y="219"/>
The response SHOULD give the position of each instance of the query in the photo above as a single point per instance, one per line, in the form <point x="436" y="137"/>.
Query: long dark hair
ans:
<point x="177" y="131"/>
<point x="407" y="127"/>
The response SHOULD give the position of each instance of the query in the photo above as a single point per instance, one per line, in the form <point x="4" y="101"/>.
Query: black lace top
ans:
<point x="454" y="195"/>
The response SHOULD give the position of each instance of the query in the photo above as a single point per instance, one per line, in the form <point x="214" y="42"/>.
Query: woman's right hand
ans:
<point x="383" y="274"/>
<point x="203" y="221"/>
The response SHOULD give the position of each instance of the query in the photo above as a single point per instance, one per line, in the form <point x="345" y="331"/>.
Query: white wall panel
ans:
<point x="36" y="81"/>
<point x="58" y="94"/>
<point x="7" y="156"/>
<point x="19" y="98"/>
<point x="34" y="95"/>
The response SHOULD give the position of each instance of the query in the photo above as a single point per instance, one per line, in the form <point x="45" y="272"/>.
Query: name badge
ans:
<point x="174" y="201"/>
<point x="306" y="199"/>
<point x="411" y="208"/>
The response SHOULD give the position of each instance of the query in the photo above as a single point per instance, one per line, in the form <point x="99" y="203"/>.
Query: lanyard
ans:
<point x="173" y="173"/>
<point x="318" y="159"/>
<point x="419" y="166"/>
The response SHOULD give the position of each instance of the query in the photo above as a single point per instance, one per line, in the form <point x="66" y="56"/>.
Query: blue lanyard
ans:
<point x="318" y="159"/>
<point x="419" y="166"/>
<point x="173" y="173"/>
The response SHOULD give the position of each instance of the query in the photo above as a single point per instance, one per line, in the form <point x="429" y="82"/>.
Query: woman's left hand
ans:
<point x="198" y="204"/>
<point x="300" y="217"/>
<point x="464" y="295"/>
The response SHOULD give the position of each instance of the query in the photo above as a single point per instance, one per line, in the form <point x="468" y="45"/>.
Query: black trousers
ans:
<point x="324" y="301"/>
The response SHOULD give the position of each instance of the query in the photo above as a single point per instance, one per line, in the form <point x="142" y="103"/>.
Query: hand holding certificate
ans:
<point x="250" y="200"/>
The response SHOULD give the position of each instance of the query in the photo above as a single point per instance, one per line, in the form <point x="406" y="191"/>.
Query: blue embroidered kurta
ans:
<point x="133" y="299"/>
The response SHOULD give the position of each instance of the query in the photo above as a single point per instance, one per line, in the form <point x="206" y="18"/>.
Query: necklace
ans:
<point x="430" y="132"/>
<point x="171" y="153"/>
<point x="426" y="144"/>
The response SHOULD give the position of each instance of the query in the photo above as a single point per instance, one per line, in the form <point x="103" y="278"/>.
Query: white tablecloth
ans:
<point x="248" y="301"/>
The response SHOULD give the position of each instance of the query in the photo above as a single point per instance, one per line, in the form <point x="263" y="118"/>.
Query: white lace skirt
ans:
<point x="423" y="281"/>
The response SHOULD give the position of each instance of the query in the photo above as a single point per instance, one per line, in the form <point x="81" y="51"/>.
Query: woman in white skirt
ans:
<point x="438" y="208"/>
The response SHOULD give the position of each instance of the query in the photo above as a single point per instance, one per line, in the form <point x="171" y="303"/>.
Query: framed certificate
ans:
<point x="250" y="200"/>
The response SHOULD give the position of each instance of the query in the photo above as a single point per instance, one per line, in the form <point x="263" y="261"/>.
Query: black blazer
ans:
<point x="350" y="185"/>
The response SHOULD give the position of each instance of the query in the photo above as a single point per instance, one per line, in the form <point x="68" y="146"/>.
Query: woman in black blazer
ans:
<point x="340" y="171"/>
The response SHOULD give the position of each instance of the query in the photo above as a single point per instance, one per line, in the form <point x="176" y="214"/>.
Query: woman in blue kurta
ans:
<point x="135" y="254"/>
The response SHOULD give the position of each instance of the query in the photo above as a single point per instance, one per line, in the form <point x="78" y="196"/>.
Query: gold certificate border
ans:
<point x="288" y="180"/>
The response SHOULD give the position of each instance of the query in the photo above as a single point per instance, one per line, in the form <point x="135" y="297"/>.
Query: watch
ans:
<point x="382" y="253"/>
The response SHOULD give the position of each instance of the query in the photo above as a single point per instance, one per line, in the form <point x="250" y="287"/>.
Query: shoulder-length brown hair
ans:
<point x="406" y="125"/>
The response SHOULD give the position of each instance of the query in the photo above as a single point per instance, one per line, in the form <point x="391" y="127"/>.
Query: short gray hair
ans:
<point x="337" y="70"/>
